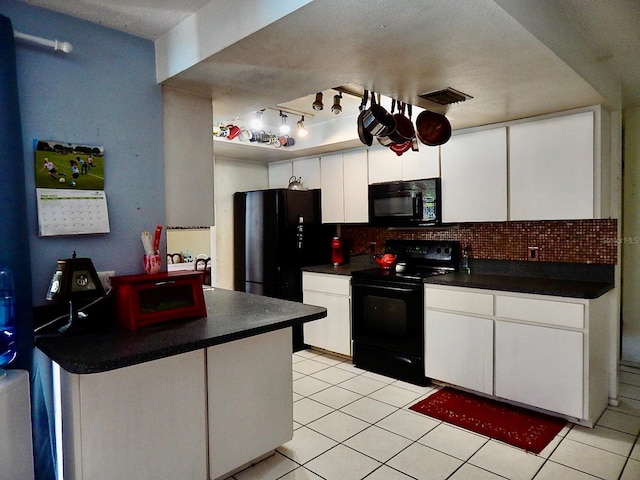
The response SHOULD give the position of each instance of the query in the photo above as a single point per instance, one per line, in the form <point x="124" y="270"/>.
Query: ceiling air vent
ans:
<point x="446" y="96"/>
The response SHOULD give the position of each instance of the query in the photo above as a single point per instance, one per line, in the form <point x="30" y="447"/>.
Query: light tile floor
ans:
<point x="350" y="424"/>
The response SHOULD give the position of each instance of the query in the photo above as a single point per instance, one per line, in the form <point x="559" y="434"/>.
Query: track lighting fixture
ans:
<point x="336" y="108"/>
<point x="284" y="128"/>
<point x="318" y="105"/>
<point x="302" y="130"/>
<point x="256" y="122"/>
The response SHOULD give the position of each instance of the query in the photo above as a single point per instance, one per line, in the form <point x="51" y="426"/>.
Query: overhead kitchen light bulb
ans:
<point x="318" y="105"/>
<point x="336" y="108"/>
<point x="284" y="128"/>
<point x="302" y="130"/>
<point x="256" y="122"/>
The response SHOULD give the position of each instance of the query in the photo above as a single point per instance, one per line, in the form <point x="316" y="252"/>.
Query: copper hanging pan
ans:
<point x="432" y="128"/>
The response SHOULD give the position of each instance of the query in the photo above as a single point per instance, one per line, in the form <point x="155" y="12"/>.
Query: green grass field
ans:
<point x="93" y="180"/>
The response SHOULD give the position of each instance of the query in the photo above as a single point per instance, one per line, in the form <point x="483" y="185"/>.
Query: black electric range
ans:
<point x="388" y="308"/>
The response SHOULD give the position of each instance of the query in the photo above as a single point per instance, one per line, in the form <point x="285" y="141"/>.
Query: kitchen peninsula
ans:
<point x="193" y="399"/>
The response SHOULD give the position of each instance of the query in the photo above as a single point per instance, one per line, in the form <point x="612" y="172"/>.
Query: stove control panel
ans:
<point x="431" y="251"/>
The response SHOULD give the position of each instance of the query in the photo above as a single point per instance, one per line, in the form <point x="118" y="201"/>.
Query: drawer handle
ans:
<point x="167" y="282"/>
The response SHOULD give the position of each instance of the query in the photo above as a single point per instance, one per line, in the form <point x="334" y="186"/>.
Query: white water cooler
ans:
<point x="16" y="450"/>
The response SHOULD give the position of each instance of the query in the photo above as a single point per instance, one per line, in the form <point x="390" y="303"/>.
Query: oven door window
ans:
<point x="385" y="315"/>
<point x="389" y="317"/>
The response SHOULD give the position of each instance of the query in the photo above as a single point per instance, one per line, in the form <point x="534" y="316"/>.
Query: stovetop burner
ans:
<point x="419" y="259"/>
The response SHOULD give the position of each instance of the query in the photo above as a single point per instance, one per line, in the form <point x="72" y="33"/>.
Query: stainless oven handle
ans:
<point x="389" y="288"/>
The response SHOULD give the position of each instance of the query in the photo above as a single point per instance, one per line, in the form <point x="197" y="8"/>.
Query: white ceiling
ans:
<point x="516" y="58"/>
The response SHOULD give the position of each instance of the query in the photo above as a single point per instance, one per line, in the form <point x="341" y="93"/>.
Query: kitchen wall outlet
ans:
<point x="533" y="254"/>
<point x="105" y="279"/>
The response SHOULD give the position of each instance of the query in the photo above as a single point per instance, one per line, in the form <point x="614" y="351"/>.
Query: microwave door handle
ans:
<point x="417" y="206"/>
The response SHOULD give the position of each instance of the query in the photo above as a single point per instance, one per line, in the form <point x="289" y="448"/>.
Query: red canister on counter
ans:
<point x="336" y="251"/>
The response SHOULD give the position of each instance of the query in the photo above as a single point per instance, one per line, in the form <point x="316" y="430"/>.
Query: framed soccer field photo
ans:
<point x="63" y="165"/>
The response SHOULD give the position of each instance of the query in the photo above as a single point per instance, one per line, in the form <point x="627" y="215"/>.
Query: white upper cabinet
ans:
<point x="386" y="166"/>
<point x="474" y="177"/>
<point x="308" y="169"/>
<point x="425" y="163"/>
<point x="552" y="170"/>
<point x="344" y="187"/>
<point x="279" y="174"/>
<point x="332" y="198"/>
<point x="356" y="187"/>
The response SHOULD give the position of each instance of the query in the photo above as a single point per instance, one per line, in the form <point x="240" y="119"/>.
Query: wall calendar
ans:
<point x="70" y="193"/>
<point x="69" y="212"/>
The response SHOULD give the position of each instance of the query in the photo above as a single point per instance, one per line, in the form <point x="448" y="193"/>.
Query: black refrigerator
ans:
<point x="276" y="232"/>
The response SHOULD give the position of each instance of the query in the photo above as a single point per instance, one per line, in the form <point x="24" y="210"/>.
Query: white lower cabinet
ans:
<point x="459" y="350"/>
<point x="333" y="292"/>
<point x="540" y="366"/>
<point x="139" y="422"/>
<point x="542" y="351"/>
<point x="250" y="400"/>
<point x="199" y="415"/>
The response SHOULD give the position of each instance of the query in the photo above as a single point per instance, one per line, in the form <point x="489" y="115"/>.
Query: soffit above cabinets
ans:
<point x="516" y="58"/>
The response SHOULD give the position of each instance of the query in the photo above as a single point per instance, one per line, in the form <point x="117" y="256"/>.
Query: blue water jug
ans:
<point x="7" y="317"/>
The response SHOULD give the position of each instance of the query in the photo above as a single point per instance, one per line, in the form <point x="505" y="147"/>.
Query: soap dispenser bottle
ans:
<point x="466" y="259"/>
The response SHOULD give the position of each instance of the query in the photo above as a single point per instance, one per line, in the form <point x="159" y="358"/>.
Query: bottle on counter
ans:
<point x="337" y="254"/>
<point x="466" y="259"/>
<point x="7" y="317"/>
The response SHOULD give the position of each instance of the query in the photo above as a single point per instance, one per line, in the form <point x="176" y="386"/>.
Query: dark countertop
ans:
<point x="356" y="262"/>
<point x="230" y="316"/>
<point x="510" y="283"/>
<point x="573" y="280"/>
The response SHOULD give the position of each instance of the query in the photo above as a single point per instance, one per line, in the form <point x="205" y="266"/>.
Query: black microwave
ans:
<point x="413" y="203"/>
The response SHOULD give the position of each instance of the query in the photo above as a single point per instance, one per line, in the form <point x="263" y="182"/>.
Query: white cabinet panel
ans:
<point x="474" y="177"/>
<point x="540" y="366"/>
<point x="327" y="283"/>
<point x="551" y="165"/>
<point x="332" y="333"/>
<point x="332" y="178"/>
<point x="461" y="301"/>
<point x="344" y="187"/>
<point x="250" y="400"/>
<point x="356" y="187"/>
<point x="149" y="419"/>
<point x="424" y="163"/>
<point x="384" y="165"/>
<point x="279" y="174"/>
<point x="459" y="350"/>
<point x="550" y="312"/>
<point x="309" y="170"/>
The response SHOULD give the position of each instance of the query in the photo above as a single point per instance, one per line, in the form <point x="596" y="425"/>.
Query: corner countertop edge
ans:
<point x="231" y="316"/>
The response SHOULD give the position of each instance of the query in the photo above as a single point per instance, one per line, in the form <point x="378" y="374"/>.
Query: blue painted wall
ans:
<point x="102" y="93"/>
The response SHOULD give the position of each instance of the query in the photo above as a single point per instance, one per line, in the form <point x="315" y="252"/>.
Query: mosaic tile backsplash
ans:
<point x="574" y="241"/>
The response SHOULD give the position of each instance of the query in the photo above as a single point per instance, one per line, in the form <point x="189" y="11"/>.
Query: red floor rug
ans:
<point x="523" y="428"/>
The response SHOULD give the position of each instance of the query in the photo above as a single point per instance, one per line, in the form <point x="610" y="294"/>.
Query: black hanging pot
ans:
<point x="377" y="121"/>
<point x="403" y="130"/>
<point x="414" y="139"/>
<point x="432" y="128"/>
<point x="364" y="134"/>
